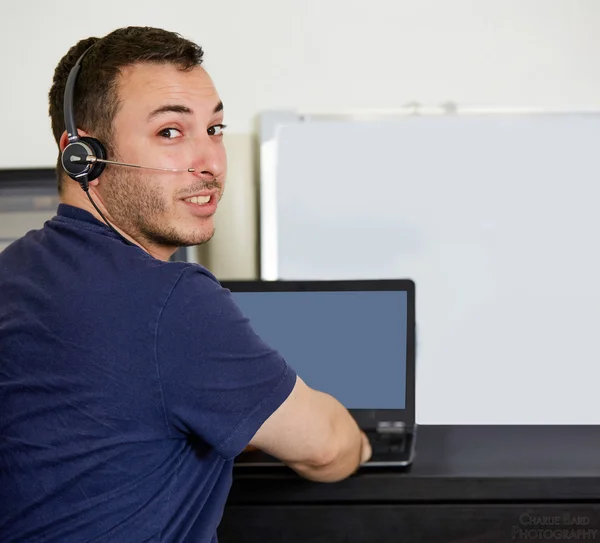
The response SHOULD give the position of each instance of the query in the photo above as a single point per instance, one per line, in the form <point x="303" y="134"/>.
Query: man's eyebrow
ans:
<point x="178" y="109"/>
<point x="168" y="109"/>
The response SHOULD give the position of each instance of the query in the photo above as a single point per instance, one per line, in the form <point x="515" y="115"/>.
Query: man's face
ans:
<point x="167" y="118"/>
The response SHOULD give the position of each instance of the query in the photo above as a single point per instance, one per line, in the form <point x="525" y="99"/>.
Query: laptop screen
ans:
<point x="349" y="344"/>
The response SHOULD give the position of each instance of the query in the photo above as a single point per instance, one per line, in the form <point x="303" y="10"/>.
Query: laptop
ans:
<point x="354" y="339"/>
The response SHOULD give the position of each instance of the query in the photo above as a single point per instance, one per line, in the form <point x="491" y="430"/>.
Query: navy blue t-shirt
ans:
<point x="127" y="387"/>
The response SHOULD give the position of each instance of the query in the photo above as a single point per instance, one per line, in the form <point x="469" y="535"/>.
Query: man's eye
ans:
<point x="216" y="130"/>
<point x="169" y="133"/>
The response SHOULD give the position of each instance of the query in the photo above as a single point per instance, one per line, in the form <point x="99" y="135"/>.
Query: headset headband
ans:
<point x="70" y="124"/>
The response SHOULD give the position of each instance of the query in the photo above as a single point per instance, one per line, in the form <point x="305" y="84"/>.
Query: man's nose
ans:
<point x="209" y="159"/>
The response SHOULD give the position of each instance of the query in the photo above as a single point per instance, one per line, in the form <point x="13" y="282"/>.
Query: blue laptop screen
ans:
<point x="351" y="345"/>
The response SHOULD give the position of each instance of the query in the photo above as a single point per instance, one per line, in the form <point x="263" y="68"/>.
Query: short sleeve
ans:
<point x="220" y="381"/>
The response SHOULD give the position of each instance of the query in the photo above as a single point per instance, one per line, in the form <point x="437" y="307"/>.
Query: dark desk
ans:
<point x="478" y="484"/>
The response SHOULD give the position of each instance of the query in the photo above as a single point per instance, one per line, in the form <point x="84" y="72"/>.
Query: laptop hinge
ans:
<point x="396" y="427"/>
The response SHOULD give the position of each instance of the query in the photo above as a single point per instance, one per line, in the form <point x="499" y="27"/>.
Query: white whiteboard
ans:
<point x="496" y="218"/>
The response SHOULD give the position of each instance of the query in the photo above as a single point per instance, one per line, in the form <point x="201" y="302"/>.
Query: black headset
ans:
<point x="78" y="156"/>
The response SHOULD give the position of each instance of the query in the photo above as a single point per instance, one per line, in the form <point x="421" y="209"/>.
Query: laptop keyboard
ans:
<point x="386" y="443"/>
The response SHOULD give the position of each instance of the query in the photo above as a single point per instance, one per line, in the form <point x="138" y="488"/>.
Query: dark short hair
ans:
<point x="96" y="100"/>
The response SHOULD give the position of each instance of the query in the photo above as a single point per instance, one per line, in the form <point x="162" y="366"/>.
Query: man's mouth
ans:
<point x="200" y="200"/>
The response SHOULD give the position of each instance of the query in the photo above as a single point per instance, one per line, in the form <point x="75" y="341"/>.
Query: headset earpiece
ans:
<point x="75" y="162"/>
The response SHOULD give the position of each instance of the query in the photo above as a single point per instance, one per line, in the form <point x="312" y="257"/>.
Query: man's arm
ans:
<point x="221" y="382"/>
<point x="314" y="435"/>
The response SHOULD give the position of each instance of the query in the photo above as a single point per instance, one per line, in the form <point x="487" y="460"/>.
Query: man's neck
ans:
<point x="78" y="198"/>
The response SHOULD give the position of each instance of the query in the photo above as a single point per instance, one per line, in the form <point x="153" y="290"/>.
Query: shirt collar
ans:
<point x="77" y="213"/>
<point x="69" y="213"/>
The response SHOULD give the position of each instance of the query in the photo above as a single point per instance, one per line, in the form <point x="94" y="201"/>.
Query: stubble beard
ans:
<point x="140" y="209"/>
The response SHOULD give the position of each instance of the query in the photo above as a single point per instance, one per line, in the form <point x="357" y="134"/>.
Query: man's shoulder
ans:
<point x="189" y="282"/>
<point x="185" y="274"/>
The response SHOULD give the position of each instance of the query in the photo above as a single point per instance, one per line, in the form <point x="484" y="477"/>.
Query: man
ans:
<point x="129" y="383"/>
